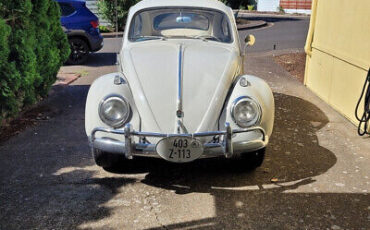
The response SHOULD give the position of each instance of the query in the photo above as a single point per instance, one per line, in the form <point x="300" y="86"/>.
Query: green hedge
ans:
<point x="33" y="47"/>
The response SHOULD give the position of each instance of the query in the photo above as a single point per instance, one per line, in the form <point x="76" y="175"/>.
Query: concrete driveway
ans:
<point x="319" y="168"/>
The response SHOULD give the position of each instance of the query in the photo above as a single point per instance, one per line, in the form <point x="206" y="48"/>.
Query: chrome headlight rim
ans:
<point x="124" y="120"/>
<point x="249" y="99"/>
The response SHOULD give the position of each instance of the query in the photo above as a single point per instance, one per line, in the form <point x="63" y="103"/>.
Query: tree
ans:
<point x="236" y="4"/>
<point x="33" y="47"/>
<point x="108" y="8"/>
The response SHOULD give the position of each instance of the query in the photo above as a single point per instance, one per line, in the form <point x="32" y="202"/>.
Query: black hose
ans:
<point x="365" y="118"/>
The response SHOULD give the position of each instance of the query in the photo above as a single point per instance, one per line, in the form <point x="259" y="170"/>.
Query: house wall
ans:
<point x="289" y="6"/>
<point x="268" y="5"/>
<point x="296" y="4"/>
<point x="338" y="52"/>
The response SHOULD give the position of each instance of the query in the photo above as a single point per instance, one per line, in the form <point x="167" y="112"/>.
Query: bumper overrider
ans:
<point x="226" y="147"/>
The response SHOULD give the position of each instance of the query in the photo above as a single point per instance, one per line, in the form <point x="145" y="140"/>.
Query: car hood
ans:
<point x="152" y="70"/>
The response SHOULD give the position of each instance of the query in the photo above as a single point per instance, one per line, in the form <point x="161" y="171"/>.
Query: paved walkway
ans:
<point x="319" y="166"/>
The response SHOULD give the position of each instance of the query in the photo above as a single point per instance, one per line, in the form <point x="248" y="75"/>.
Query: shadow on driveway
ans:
<point x="250" y="200"/>
<point x="272" y="19"/>
<point x="48" y="178"/>
<point x="47" y="175"/>
<point x="101" y="59"/>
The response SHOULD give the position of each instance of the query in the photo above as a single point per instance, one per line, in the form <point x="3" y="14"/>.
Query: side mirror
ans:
<point x="250" y="40"/>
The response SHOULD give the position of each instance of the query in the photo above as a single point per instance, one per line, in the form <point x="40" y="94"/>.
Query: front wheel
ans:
<point x="79" y="51"/>
<point x="249" y="161"/>
<point x="107" y="160"/>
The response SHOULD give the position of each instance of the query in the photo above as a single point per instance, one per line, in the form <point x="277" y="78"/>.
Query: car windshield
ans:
<point x="189" y="23"/>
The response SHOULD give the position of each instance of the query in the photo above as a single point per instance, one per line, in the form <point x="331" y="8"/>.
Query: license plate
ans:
<point x="179" y="149"/>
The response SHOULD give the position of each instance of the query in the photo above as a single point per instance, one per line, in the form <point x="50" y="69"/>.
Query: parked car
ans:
<point x="180" y="93"/>
<point x="82" y="29"/>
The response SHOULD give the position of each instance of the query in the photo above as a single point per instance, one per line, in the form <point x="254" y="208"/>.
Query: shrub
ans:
<point x="9" y="76"/>
<point x="33" y="46"/>
<point x="281" y="9"/>
<point x="238" y="4"/>
<point x="107" y="8"/>
<point x="105" y="29"/>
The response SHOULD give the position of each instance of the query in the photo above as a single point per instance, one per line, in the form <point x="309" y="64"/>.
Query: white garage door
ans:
<point x="268" y="5"/>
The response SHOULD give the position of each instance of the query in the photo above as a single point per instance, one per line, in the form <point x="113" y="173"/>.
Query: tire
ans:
<point x="107" y="160"/>
<point x="79" y="51"/>
<point x="249" y="161"/>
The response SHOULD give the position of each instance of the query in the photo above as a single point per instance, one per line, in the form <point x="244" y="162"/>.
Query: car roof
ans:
<point x="210" y="4"/>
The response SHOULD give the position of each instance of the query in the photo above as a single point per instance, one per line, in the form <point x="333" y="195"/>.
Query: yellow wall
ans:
<point x="338" y="52"/>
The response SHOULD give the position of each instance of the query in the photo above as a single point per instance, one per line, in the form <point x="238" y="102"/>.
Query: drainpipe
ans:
<point x="308" y="46"/>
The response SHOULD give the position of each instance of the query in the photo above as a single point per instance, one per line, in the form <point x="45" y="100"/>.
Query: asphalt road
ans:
<point x="281" y="33"/>
<point x="48" y="179"/>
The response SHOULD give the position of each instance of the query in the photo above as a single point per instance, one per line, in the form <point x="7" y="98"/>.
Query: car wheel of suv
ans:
<point x="249" y="161"/>
<point x="79" y="51"/>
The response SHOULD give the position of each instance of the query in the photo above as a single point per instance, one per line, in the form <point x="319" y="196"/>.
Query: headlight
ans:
<point x="246" y="112"/>
<point x="114" y="111"/>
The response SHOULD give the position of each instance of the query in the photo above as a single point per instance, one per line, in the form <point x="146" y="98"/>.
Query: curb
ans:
<point x="112" y="35"/>
<point x="269" y="14"/>
<point x="253" y="25"/>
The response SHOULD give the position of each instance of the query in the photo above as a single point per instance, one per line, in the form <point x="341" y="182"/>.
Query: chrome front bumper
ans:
<point x="225" y="148"/>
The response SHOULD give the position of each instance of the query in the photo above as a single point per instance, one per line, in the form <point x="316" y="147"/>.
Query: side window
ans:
<point x="137" y="26"/>
<point x="226" y="33"/>
<point x="66" y="9"/>
<point x="225" y="27"/>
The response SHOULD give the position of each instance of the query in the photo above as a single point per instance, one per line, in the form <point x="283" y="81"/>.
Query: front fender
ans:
<point x="259" y="90"/>
<point x="113" y="83"/>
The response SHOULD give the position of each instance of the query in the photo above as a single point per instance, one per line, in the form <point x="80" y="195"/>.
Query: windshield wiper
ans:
<point x="200" y="37"/>
<point x="148" y="37"/>
<point x="207" y="37"/>
<point x="181" y="36"/>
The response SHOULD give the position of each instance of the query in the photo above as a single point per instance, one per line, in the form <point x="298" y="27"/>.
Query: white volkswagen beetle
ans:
<point x="180" y="93"/>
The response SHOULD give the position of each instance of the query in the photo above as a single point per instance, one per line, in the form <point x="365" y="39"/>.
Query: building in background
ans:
<point x="289" y="6"/>
<point x="268" y="5"/>
<point x="338" y="52"/>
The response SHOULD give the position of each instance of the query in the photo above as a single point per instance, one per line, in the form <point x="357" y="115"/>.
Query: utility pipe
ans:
<point x="311" y="31"/>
